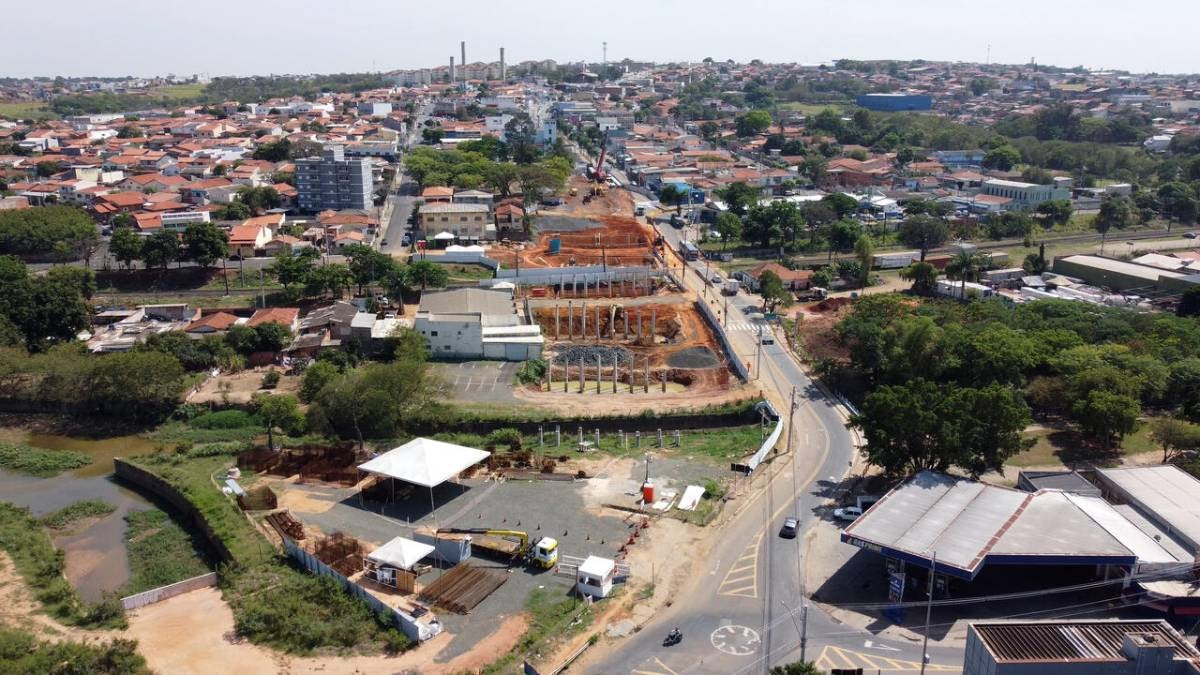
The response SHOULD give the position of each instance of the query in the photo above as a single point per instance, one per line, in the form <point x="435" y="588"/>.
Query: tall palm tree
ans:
<point x="967" y="264"/>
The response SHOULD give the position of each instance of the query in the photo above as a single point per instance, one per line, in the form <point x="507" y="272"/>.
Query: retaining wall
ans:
<point x="415" y="629"/>
<point x="169" y="591"/>
<point x="719" y="331"/>
<point x="147" y="482"/>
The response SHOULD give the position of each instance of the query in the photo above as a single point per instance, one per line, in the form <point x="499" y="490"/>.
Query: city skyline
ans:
<point x="128" y="42"/>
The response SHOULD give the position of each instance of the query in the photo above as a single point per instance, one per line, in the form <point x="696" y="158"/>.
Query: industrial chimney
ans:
<point x="451" y="68"/>
<point x="503" y="70"/>
<point x="463" y="46"/>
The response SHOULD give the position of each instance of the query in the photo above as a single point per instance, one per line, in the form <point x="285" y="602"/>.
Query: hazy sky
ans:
<point x="243" y="37"/>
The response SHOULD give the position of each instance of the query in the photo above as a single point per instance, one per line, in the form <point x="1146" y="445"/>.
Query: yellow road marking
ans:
<point x="838" y="657"/>
<point x="744" y="569"/>
<point x="665" y="670"/>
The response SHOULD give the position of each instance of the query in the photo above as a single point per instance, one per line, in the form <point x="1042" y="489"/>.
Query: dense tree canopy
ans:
<point x="37" y="230"/>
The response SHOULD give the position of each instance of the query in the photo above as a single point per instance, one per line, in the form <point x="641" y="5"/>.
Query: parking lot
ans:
<point x="480" y="380"/>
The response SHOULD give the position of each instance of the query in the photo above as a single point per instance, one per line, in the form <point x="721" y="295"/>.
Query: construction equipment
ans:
<point x="543" y="552"/>
<point x="597" y="172"/>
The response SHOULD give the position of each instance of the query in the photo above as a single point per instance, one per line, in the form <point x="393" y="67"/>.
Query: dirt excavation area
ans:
<point x="618" y="348"/>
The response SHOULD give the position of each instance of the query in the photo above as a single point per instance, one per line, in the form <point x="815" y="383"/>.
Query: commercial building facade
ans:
<point x="333" y="182"/>
<point x="896" y="102"/>
<point x="1024" y="196"/>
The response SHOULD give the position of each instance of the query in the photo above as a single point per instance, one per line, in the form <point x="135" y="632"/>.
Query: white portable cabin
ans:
<point x="595" y="576"/>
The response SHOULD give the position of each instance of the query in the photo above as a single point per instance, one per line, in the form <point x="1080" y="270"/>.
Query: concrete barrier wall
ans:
<point x="719" y="331"/>
<point x="463" y="259"/>
<point x="415" y="629"/>
<point x="148" y="483"/>
<point x="169" y="591"/>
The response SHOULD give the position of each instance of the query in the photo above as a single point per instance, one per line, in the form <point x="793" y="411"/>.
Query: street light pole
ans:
<point x="758" y="352"/>
<point x="928" y="612"/>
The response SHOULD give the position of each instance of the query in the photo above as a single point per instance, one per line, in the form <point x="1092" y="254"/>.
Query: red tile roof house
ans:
<point x="211" y="323"/>
<point x="288" y="317"/>
<point x="247" y="239"/>
<point x="796" y="280"/>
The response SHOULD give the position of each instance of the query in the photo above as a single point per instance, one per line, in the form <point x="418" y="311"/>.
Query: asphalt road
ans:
<point x="740" y="615"/>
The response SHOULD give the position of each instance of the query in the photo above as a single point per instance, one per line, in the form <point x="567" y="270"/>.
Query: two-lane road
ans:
<point x="740" y="613"/>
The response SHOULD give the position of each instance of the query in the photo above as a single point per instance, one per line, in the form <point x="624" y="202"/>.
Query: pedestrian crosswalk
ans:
<point x="748" y="326"/>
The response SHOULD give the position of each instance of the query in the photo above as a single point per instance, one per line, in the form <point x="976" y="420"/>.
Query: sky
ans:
<point x="260" y="37"/>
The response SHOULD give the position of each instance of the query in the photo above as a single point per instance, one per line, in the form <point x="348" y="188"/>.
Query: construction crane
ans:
<point x="543" y="552"/>
<point x="597" y="172"/>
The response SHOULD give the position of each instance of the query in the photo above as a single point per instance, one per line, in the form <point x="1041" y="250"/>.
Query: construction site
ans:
<point x="603" y="346"/>
<point x="465" y="551"/>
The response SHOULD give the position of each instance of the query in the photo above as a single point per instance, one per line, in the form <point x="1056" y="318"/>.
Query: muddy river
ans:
<point x="95" y="555"/>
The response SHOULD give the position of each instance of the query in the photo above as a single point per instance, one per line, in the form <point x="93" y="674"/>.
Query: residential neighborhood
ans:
<point x="466" y="359"/>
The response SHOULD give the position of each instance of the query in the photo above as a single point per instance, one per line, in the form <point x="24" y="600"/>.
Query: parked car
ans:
<point x="385" y="242"/>
<point x="716" y="279"/>
<point x="788" y="531"/>
<point x="848" y="514"/>
<point x="1190" y="235"/>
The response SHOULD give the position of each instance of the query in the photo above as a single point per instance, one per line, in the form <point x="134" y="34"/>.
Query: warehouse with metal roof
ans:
<point x="967" y="525"/>
<point x="1065" y="647"/>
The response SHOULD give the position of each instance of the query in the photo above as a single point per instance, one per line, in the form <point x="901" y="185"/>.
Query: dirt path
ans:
<point x="188" y="634"/>
<point x="20" y="609"/>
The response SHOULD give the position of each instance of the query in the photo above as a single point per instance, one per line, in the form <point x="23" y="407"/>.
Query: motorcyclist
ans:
<point x="675" y="634"/>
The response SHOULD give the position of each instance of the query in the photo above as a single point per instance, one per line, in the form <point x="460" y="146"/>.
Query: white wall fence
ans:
<point x="169" y="591"/>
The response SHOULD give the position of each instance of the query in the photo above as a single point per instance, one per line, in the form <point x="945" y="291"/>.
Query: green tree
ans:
<point x="1178" y="201"/>
<point x="371" y="401"/>
<point x="967" y="265"/>
<point x="923" y="232"/>
<point x="773" y="291"/>
<point x="1115" y="212"/>
<point x="1106" y="416"/>
<point x="277" y="410"/>
<point x="739" y="197"/>
<point x="291" y="269"/>
<point x="275" y="151"/>
<point x="234" y="210"/>
<point x="205" y="243"/>
<point x="922" y="425"/>
<point x="126" y="246"/>
<point x="1002" y="158"/>
<point x="260" y="198"/>
<point x="315" y="378"/>
<point x="1055" y="212"/>
<point x="160" y="249"/>
<point x="797" y="668"/>
<point x="842" y="205"/>
<point x="424" y="274"/>
<point x="80" y="278"/>
<point x="923" y="277"/>
<point x="752" y="123"/>
<point x="864" y="250"/>
<point x="1176" y="437"/>
<point x="729" y="227"/>
<point x="367" y="265"/>
<point x="1189" y="303"/>
<point x="670" y="195"/>
<point x="43" y="309"/>
<point x="333" y="279"/>
<point x="141" y="385"/>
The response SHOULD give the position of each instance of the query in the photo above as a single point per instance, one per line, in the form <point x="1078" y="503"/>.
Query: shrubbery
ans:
<point x="39" y="461"/>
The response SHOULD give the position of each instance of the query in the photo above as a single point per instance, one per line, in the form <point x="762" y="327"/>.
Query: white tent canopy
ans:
<point x="400" y="553"/>
<point x="425" y="462"/>
<point x="443" y="236"/>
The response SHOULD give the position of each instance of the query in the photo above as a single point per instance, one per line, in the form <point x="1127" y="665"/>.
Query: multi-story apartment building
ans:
<point x="333" y="182"/>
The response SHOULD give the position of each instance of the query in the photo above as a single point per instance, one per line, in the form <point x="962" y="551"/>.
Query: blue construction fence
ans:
<point x="415" y="629"/>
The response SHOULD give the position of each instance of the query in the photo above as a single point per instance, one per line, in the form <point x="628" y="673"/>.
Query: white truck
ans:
<point x="732" y="286"/>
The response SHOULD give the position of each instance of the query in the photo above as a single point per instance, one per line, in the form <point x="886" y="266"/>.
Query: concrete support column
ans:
<point x="570" y="320"/>
<point x="581" y="377"/>
<point x="598" y="373"/>
<point x="556" y="319"/>
<point x="583" y="315"/>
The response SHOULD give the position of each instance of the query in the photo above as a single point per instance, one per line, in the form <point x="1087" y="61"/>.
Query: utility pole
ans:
<point x="758" y="352"/>
<point x="928" y="612"/>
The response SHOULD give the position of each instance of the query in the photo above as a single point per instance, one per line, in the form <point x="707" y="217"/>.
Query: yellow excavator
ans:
<point x="543" y="552"/>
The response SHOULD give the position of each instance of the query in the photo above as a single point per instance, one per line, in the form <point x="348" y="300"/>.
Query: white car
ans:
<point x="848" y="514"/>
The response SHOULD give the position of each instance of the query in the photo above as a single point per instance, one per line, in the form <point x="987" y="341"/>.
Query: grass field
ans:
<point x="160" y="552"/>
<point x="23" y="109"/>
<point x="180" y="91"/>
<point x="812" y="108"/>
<point x="1057" y="447"/>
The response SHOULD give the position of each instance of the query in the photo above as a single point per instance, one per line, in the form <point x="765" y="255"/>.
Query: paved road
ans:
<point x="737" y="617"/>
